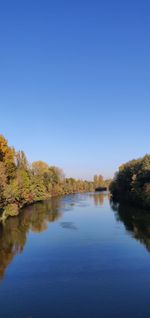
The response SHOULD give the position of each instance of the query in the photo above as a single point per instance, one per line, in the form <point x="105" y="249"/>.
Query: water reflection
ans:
<point x="136" y="222"/>
<point x="68" y="226"/>
<point x="35" y="218"/>
<point x="13" y="234"/>
<point x="99" y="197"/>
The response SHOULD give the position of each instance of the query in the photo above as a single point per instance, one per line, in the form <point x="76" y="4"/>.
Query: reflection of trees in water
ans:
<point x="136" y="222"/>
<point x="99" y="198"/>
<point x="68" y="226"/>
<point x="13" y="234"/>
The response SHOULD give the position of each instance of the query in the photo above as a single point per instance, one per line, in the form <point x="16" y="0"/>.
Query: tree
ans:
<point x="22" y="183"/>
<point x="7" y="157"/>
<point x="3" y="182"/>
<point x="132" y="182"/>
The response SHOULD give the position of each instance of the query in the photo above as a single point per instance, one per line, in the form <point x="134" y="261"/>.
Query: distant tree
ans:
<point x="98" y="181"/>
<point x="21" y="161"/>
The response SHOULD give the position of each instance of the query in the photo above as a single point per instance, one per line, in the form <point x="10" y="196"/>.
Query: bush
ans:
<point x="11" y="210"/>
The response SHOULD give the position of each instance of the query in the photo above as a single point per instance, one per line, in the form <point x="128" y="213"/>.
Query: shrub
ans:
<point x="11" y="210"/>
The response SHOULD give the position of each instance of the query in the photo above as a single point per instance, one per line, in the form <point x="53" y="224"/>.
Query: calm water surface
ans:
<point x="77" y="256"/>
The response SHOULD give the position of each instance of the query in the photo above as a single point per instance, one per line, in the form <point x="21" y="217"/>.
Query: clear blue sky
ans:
<point x="75" y="82"/>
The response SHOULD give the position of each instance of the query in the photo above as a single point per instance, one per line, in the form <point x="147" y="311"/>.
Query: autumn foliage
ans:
<point x="132" y="182"/>
<point x="22" y="183"/>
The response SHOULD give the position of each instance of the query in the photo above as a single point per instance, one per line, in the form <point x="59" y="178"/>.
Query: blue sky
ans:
<point x="75" y="82"/>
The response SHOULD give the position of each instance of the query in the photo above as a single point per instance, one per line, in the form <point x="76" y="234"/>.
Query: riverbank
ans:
<point x="22" y="183"/>
<point x="14" y="209"/>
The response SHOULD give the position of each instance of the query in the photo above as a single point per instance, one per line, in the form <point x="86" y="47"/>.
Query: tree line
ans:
<point x="22" y="183"/>
<point x="132" y="182"/>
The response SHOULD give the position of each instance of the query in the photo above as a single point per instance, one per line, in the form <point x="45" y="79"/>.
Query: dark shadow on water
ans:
<point x="68" y="226"/>
<point x="135" y="220"/>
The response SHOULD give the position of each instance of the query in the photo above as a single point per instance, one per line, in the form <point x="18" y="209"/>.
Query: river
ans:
<point x="80" y="256"/>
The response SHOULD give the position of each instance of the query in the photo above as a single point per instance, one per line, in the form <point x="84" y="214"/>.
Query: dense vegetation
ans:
<point x="132" y="182"/>
<point x="22" y="183"/>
